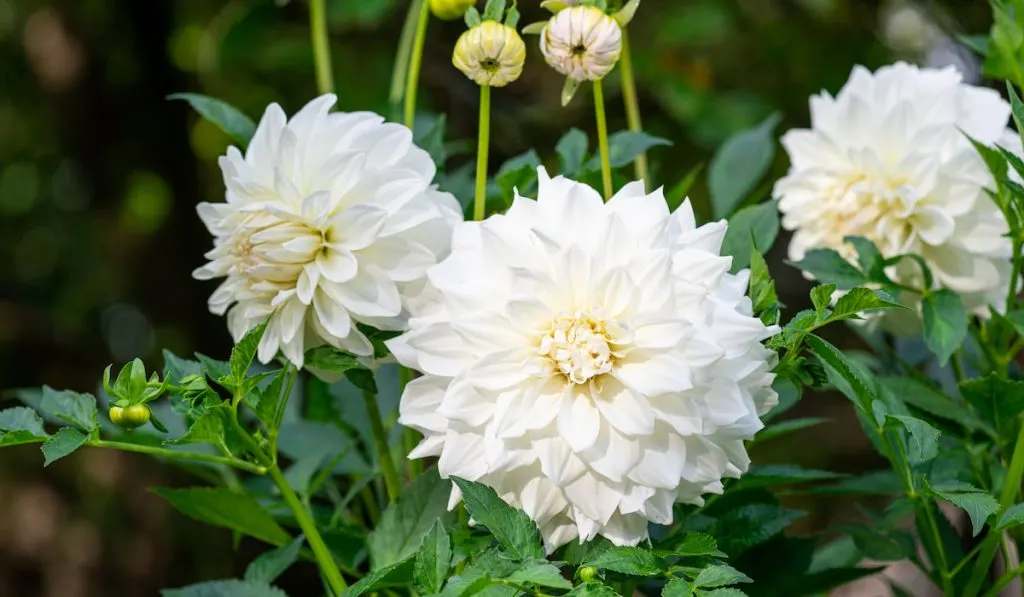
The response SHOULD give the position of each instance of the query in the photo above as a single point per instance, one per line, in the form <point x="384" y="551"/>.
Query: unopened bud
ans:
<point x="490" y="54"/>
<point x="582" y="42"/>
<point x="449" y="10"/>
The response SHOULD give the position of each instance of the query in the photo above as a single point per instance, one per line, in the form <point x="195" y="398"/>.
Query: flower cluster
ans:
<point x="594" y="363"/>
<point x="888" y="159"/>
<point x="330" y="221"/>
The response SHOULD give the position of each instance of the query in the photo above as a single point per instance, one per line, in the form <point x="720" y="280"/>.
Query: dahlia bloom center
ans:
<point x="880" y="210"/>
<point x="583" y="345"/>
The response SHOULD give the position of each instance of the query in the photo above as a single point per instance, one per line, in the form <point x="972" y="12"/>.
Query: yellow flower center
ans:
<point x="579" y="346"/>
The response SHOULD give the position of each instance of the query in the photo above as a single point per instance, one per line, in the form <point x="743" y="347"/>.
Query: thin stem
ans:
<point x="602" y="139"/>
<point x="175" y="455"/>
<point x="1006" y="498"/>
<point x="416" y="59"/>
<point x="323" y="555"/>
<point x="321" y="46"/>
<point x="632" y="107"/>
<point x="1004" y="581"/>
<point x="401" y="68"/>
<point x="1011" y="296"/>
<point x="958" y="367"/>
<point x="482" y="150"/>
<point x="380" y="440"/>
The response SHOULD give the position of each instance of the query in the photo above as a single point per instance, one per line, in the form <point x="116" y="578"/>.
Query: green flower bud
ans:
<point x="588" y="574"/>
<point x="449" y="10"/>
<point x="490" y="54"/>
<point x="130" y="417"/>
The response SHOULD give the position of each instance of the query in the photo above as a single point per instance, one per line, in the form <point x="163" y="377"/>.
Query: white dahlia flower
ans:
<point x="887" y="159"/>
<point x="594" y="363"/>
<point x="330" y="220"/>
<point x="582" y="42"/>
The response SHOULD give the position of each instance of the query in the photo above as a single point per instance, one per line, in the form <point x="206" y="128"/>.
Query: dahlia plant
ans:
<point x="542" y="388"/>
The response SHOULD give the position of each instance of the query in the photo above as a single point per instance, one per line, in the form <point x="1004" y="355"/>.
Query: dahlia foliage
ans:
<point x="564" y="393"/>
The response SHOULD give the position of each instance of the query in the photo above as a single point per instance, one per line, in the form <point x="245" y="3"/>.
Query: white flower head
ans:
<point x="490" y="53"/>
<point x="582" y="43"/>
<point x="887" y="159"/>
<point x="594" y="363"/>
<point x="330" y="221"/>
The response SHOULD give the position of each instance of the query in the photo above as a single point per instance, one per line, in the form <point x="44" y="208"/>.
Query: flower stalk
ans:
<point x="402" y="57"/>
<point x="602" y="140"/>
<point x="633" y="119"/>
<point x="415" y="62"/>
<point x="483" y="145"/>
<point x="380" y="440"/>
<point x="321" y="46"/>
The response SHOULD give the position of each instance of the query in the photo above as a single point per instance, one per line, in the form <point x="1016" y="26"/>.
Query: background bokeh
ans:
<point x="100" y="174"/>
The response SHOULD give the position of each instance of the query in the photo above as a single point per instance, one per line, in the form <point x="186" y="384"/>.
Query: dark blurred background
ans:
<point x="99" y="177"/>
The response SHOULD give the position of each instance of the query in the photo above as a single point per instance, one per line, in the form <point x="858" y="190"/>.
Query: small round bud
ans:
<point x="130" y="417"/>
<point x="588" y="574"/>
<point x="449" y="10"/>
<point x="582" y="42"/>
<point x="490" y="54"/>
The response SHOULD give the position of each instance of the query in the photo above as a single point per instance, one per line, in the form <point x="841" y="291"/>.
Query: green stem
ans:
<point x="401" y="68"/>
<point x="1006" y="498"/>
<point x="602" y="139"/>
<point x="380" y="440"/>
<point x="1011" y="296"/>
<point x="416" y="59"/>
<point x="323" y="555"/>
<point x="632" y="107"/>
<point x="175" y="455"/>
<point x="482" y="149"/>
<point x="1004" y="581"/>
<point x="321" y="47"/>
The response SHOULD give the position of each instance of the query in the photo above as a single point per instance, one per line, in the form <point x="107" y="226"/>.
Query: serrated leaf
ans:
<point x="678" y="587"/>
<point x="244" y="352"/>
<point x="272" y="564"/>
<point x="821" y="298"/>
<point x="72" y="407"/>
<point x="210" y="428"/>
<point x="571" y="150"/>
<point x="215" y="369"/>
<point x="542" y="574"/>
<point x="752" y="228"/>
<point x="62" y="443"/>
<point x="783" y="474"/>
<point x="22" y="418"/>
<point x="696" y="544"/>
<point x="863" y="392"/>
<point x="227" y="509"/>
<point x="511" y="527"/>
<point x="396" y="574"/>
<point x="998" y="401"/>
<point x="945" y="323"/>
<point x="225" y="588"/>
<point x="743" y="527"/>
<point x="176" y="367"/>
<point x="1013" y="516"/>
<point x="979" y="506"/>
<point x="229" y="119"/>
<point x="430" y="569"/>
<point x="869" y="258"/>
<point x="828" y="266"/>
<point x="923" y="443"/>
<point x="634" y="561"/>
<point x="403" y="525"/>
<point x="331" y="359"/>
<point x="923" y="397"/>
<point x="264" y="402"/>
<point x="862" y="300"/>
<point x="740" y="164"/>
<point x="719" y="576"/>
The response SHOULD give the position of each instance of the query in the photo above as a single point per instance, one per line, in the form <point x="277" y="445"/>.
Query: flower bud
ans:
<point x="490" y="54"/>
<point x="449" y="10"/>
<point x="582" y="42"/>
<point x="130" y="417"/>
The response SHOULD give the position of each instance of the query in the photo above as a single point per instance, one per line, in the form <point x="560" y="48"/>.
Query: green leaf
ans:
<point x="243" y="353"/>
<point x="762" y="290"/>
<point x="218" y="371"/>
<point x="821" y="298"/>
<point x="571" y="150"/>
<point x="863" y="392"/>
<point x="1016" y="106"/>
<point x="743" y="527"/>
<point x="752" y="228"/>
<point x="264" y="402"/>
<point x="24" y="419"/>
<point x="740" y="164"/>
<point x="395" y="574"/>
<point x="225" y="588"/>
<point x="677" y="588"/>
<point x="494" y="10"/>
<point x="696" y="544"/>
<point x="828" y="266"/>
<point x="429" y="135"/>
<point x="433" y="559"/>
<point x="678" y="194"/>
<point x="64" y="442"/>
<point x="229" y="119"/>
<point x="885" y="482"/>
<point x="862" y="300"/>
<point x="923" y="397"/>
<point x="272" y="564"/>
<point x="725" y="592"/>
<point x="787" y="427"/>
<point x="1013" y="516"/>
<point x="627" y="560"/>
<point x="227" y="509"/>
<point x="403" y="525"/>
<point x="994" y="160"/>
<point x="511" y="527"/>
<point x="77" y="409"/>
<point x="783" y="474"/>
<point x="331" y="359"/>
<point x="542" y="574"/>
<point x="923" y="444"/>
<point x="176" y="367"/>
<point x="719" y="576"/>
<point x="945" y="323"/>
<point x="519" y="173"/>
<point x="977" y="43"/>
<point x="625" y="146"/>
<point x="211" y="428"/>
<point x="998" y="401"/>
<point x="979" y="506"/>
<point x="869" y="258"/>
<point x="592" y="590"/>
